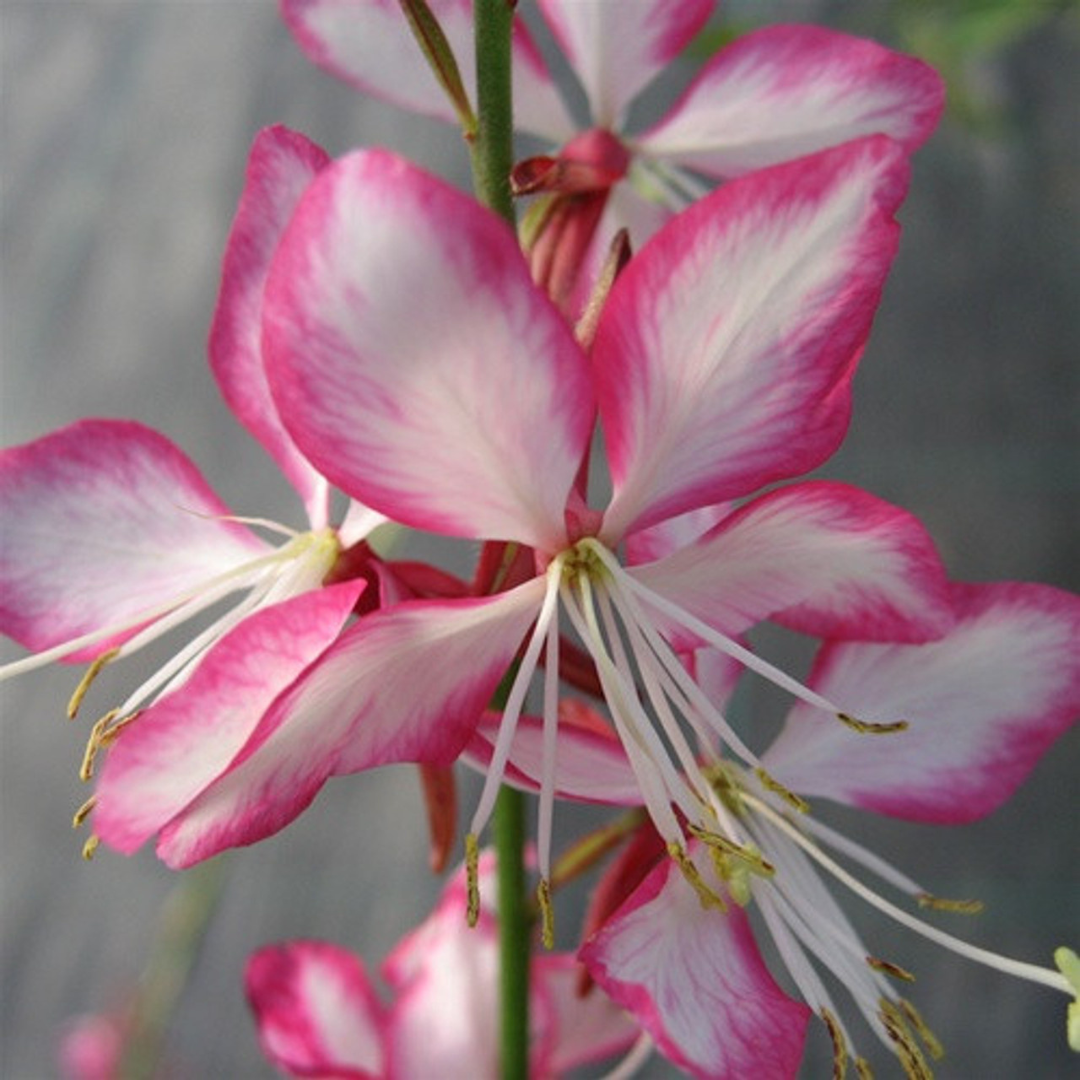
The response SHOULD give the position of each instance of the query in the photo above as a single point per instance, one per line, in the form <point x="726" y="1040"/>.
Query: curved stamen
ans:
<point x="1019" y="968"/>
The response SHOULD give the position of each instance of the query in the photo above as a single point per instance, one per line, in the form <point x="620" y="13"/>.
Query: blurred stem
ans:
<point x="185" y="916"/>
<point x="492" y="158"/>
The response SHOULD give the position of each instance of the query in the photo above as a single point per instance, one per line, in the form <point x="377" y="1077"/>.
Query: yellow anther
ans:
<point x="887" y="967"/>
<point x="547" y="913"/>
<point x="708" y="898"/>
<point x="726" y="786"/>
<point x="90" y="847"/>
<point x="789" y="796"/>
<point x="957" y="907"/>
<point x="839" y="1046"/>
<point x="930" y="1040"/>
<point x="99" y="737"/>
<point x="84" y="683"/>
<point x="1069" y="965"/>
<point x="747" y="853"/>
<point x="865" y="727"/>
<point x="83" y="812"/>
<point x="907" y="1049"/>
<point x="862" y="1067"/>
<point x="472" y="879"/>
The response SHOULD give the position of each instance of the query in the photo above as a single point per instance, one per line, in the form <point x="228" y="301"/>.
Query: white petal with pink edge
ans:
<point x="281" y="165"/>
<point x="694" y="979"/>
<point x="361" y="704"/>
<point x="423" y="371"/>
<point x="316" y="1010"/>
<point x="173" y="750"/>
<point x="445" y="1017"/>
<point x="616" y="49"/>
<point x="983" y="704"/>
<point x="724" y="355"/>
<point x="823" y="558"/>
<point x="369" y="45"/>
<point x="104" y="521"/>
<point x="786" y="91"/>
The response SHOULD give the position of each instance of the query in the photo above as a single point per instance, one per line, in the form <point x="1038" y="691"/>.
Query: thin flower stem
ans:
<point x="514" y="927"/>
<point x="492" y="158"/>
<point x="492" y="149"/>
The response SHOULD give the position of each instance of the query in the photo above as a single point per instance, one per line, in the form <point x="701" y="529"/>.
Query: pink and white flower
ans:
<point x="772" y="96"/>
<point x="319" y="1013"/>
<point x="426" y="375"/>
<point x="113" y="537"/>
<point x="983" y="704"/>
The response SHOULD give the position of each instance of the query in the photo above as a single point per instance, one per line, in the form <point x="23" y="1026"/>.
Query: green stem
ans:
<point x="492" y="149"/>
<point x="185" y="917"/>
<point x="492" y="159"/>
<point x="514" y="935"/>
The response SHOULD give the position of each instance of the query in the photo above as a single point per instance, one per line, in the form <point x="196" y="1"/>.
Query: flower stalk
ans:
<point x="492" y="159"/>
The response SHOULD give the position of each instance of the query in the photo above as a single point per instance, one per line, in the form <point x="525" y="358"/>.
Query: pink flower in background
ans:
<point x="426" y="375"/>
<point x="319" y="1014"/>
<point x="772" y="96"/>
<point x="113" y="538"/>
<point x="983" y="704"/>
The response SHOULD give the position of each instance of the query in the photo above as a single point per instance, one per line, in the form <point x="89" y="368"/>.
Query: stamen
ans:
<point x="90" y="847"/>
<point x="547" y="913"/>
<point x="472" y="879"/>
<point x="840" y="1053"/>
<point x="83" y="812"/>
<point x="98" y="735"/>
<point x="1018" y="968"/>
<point x="865" y="727"/>
<point x="862" y="1067"/>
<point x="720" y="641"/>
<point x="907" y="1049"/>
<point x="748" y="854"/>
<point x="889" y="968"/>
<point x="514" y="702"/>
<point x="769" y="781"/>
<point x="1068" y="964"/>
<point x="84" y="683"/>
<point x="930" y="1040"/>
<point x="957" y="907"/>
<point x="708" y="898"/>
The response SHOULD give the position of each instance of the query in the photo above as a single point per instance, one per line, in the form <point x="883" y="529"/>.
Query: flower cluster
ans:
<point x="621" y="405"/>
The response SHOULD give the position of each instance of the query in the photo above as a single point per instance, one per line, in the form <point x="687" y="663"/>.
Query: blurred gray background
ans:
<point x="125" y="129"/>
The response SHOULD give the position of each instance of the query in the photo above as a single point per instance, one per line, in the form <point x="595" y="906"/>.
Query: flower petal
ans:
<point x="786" y="91"/>
<point x="694" y="979"/>
<point x="281" y="165"/>
<point x="104" y="520"/>
<point x="983" y="704"/>
<point x="590" y="766"/>
<point x="820" y="557"/>
<point x="369" y="44"/>
<point x="445" y="1017"/>
<point x="725" y="352"/>
<point x="616" y="49"/>
<point x="317" y="1012"/>
<point x="403" y="330"/>
<point x="359" y="705"/>
<point x="586" y="1029"/>
<point x="173" y="750"/>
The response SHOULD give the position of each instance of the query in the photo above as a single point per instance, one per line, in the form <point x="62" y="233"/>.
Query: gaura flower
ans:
<point x="769" y="97"/>
<point x="319" y="1013"/>
<point x="983" y="703"/>
<point x="112" y="536"/>
<point x="425" y="374"/>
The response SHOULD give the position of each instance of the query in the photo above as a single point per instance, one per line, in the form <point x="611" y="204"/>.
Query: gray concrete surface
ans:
<point x="125" y="127"/>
